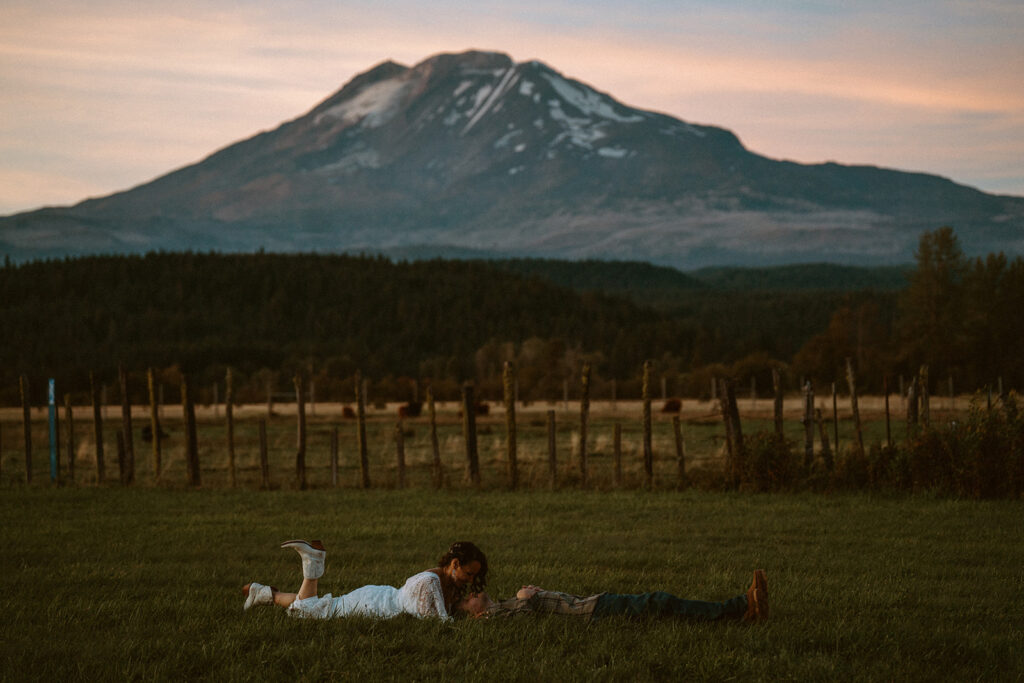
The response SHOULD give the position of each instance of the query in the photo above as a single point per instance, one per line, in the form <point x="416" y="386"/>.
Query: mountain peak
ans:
<point x="474" y="151"/>
<point x="470" y="59"/>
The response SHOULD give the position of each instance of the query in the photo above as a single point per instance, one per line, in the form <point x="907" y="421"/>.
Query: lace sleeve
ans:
<point x="425" y="596"/>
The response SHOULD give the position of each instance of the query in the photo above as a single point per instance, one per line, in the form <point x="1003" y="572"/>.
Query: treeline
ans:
<point x="958" y="316"/>
<point x="270" y="316"/>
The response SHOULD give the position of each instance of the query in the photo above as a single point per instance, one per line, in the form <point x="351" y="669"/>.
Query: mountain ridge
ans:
<point x="476" y="151"/>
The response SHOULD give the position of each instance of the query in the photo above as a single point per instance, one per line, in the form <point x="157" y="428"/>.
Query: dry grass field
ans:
<point x="702" y="431"/>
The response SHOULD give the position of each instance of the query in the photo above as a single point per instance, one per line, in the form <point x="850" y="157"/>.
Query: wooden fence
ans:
<point x="916" y="402"/>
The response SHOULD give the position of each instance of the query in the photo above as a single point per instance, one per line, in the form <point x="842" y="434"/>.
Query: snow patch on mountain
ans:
<point x="588" y="102"/>
<point x="352" y="162"/>
<point x="505" y="139"/>
<point x="613" y="152"/>
<point x="373" y="106"/>
<point x="579" y="131"/>
<point x="683" y="129"/>
<point x="508" y="79"/>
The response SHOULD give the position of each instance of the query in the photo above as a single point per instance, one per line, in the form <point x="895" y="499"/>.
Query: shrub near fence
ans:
<point x="978" y="453"/>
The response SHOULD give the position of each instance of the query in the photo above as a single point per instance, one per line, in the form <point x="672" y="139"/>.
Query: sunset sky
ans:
<point x="103" y="95"/>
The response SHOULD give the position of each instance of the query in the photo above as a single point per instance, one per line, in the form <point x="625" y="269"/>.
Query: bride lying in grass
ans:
<point x="430" y="593"/>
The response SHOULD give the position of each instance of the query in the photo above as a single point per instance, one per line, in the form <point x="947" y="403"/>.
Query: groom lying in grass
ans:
<point x="750" y="607"/>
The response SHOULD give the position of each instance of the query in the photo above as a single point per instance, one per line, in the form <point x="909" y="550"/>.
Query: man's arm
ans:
<point x="527" y="592"/>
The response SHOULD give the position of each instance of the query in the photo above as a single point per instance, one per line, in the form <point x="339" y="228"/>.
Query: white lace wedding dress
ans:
<point x="420" y="596"/>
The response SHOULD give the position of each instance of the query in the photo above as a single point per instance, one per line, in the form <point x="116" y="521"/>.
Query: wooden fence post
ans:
<point x="617" y="455"/>
<point x="645" y="390"/>
<point x="120" y="454"/>
<point x="334" y="456"/>
<point x="508" y="384"/>
<point x="723" y="405"/>
<point x="437" y="469"/>
<point x="191" y="438"/>
<point x="734" y="431"/>
<point x="680" y="451"/>
<point x="826" y="451"/>
<point x="264" y="462"/>
<point x="312" y="393"/>
<point x="469" y="434"/>
<point x="584" y="415"/>
<point x="154" y="423"/>
<point x="400" y="452"/>
<point x="888" y="429"/>
<point x="851" y="378"/>
<point x="69" y="420"/>
<point x="26" y="419"/>
<point x="229" y="416"/>
<point x="808" y="425"/>
<point x="300" y="447"/>
<point x="912" y="409"/>
<point x="777" y="387"/>
<point x="364" y="458"/>
<point x="128" y="473"/>
<point x="923" y="390"/>
<point x="54" y="415"/>
<point x="552" y="456"/>
<point x="835" y="418"/>
<point x="97" y="428"/>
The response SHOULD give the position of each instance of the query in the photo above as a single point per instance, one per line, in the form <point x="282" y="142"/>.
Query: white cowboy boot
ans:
<point x="312" y="554"/>
<point x="257" y="594"/>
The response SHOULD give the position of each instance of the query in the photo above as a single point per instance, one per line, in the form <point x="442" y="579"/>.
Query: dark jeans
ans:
<point x="662" y="604"/>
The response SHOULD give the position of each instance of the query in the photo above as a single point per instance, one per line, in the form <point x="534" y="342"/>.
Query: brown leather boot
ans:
<point x="757" y="598"/>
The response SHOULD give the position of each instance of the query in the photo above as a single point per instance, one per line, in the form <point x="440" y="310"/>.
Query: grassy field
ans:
<point x="702" y="430"/>
<point x="111" y="583"/>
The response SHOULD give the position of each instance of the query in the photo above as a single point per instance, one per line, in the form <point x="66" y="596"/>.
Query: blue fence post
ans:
<point x="53" y="432"/>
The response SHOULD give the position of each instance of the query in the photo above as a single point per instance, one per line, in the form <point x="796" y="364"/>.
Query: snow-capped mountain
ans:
<point x="474" y="154"/>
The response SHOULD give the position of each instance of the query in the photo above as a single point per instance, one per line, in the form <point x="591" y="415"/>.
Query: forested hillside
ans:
<point x="202" y="312"/>
<point x="269" y="316"/>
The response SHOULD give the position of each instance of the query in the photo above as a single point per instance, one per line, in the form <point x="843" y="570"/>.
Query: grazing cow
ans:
<point x="481" y="408"/>
<point x="410" y="409"/>
<point x="347" y="412"/>
<point x="672" y="405"/>
<point x="147" y="433"/>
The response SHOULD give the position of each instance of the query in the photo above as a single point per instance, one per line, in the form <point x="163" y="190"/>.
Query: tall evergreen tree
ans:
<point x="932" y="327"/>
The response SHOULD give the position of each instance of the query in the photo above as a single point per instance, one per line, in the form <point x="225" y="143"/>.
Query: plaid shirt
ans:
<point x="546" y="602"/>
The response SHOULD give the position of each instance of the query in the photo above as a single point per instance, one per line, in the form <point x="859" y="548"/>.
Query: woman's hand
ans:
<point x="527" y="592"/>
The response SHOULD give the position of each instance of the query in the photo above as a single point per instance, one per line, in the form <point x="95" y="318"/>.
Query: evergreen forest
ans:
<point x="405" y="324"/>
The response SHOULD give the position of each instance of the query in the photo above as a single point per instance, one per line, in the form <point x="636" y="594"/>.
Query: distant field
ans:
<point x="701" y="426"/>
<point x="141" y="584"/>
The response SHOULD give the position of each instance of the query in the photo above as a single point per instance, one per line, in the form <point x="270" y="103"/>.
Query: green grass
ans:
<point x="110" y="583"/>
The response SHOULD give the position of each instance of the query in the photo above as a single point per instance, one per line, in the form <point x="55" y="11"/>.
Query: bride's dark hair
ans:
<point x="466" y="552"/>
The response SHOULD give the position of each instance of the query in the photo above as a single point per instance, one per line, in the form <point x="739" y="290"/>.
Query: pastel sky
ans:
<point x="103" y="95"/>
